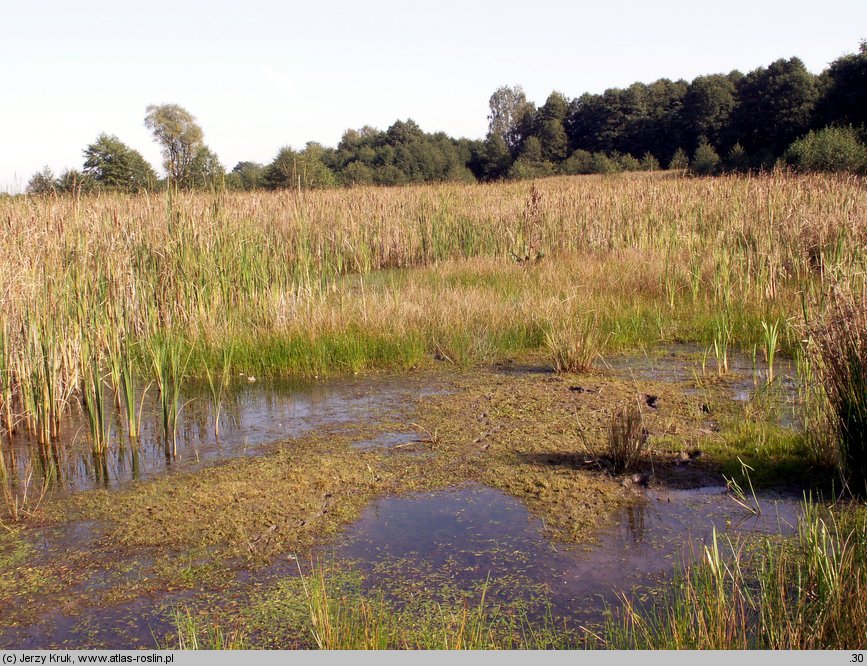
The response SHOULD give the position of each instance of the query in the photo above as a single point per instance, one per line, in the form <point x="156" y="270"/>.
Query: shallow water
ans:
<point x="432" y="544"/>
<point x="465" y="535"/>
<point x="747" y="378"/>
<point x="254" y="418"/>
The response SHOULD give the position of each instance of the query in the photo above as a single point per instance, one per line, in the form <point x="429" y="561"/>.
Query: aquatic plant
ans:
<point x="21" y="497"/>
<point x="721" y="341"/>
<point x="737" y="493"/>
<point x="128" y="394"/>
<point x="218" y="383"/>
<point x="770" y="346"/>
<point x="347" y="620"/>
<point x="92" y="399"/>
<point x="191" y="635"/>
<point x="169" y="365"/>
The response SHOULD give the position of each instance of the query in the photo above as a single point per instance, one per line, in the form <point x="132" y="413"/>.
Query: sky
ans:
<point x="262" y="74"/>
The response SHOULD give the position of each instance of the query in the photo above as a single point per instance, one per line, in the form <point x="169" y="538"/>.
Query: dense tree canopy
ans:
<point x="775" y="107"/>
<point x="707" y="110"/>
<point x="115" y="166"/>
<point x="844" y="95"/>
<point x="402" y="154"/>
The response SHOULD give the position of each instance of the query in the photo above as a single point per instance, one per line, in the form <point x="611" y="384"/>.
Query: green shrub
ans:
<point x="829" y="149"/>
<point x="579" y="162"/>
<point x="649" y="162"/>
<point x="737" y="159"/>
<point x="626" y="162"/>
<point x="601" y="163"/>
<point x="524" y="169"/>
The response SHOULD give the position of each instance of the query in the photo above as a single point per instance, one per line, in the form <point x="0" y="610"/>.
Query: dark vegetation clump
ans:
<point x="626" y="437"/>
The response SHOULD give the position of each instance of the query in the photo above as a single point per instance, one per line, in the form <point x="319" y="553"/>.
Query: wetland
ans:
<point x="580" y="412"/>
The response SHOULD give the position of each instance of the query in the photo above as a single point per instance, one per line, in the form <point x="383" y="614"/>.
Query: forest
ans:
<point x="781" y="114"/>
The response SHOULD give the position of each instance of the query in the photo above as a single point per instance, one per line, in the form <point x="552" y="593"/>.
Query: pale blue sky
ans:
<point x="260" y="74"/>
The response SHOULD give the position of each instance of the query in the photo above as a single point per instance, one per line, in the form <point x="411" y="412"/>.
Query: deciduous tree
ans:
<point x="115" y="166"/>
<point x="180" y="137"/>
<point x="511" y="115"/>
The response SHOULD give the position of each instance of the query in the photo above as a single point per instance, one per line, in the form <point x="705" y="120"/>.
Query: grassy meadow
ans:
<point x="107" y="296"/>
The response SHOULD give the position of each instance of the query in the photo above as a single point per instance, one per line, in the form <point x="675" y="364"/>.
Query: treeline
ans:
<point x="720" y="122"/>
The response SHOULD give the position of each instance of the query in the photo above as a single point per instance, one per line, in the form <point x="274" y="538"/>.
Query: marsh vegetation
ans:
<point x="563" y="343"/>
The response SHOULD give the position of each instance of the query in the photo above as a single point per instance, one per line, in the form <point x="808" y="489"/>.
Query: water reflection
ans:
<point x="253" y="418"/>
<point x="465" y="535"/>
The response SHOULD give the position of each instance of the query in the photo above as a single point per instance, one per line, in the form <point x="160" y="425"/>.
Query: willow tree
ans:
<point x="181" y="138"/>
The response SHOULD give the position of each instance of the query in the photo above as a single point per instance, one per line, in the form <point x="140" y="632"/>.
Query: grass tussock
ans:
<point x="627" y="437"/>
<point x="574" y="344"/>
